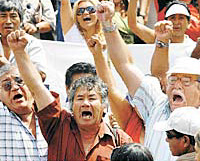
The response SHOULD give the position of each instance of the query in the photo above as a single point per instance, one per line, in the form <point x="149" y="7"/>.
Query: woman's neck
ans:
<point x="90" y="32"/>
<point x="178" y="39"/>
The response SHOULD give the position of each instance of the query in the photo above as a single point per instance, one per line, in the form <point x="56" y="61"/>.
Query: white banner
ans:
<point x="61" y="55"/>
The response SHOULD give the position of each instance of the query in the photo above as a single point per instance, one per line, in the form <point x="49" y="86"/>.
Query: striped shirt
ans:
<point x="153" y="106"/>
<point x="17" y="143"/>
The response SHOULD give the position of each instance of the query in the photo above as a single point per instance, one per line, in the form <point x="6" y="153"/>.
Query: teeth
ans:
<point x="86" y="116"/>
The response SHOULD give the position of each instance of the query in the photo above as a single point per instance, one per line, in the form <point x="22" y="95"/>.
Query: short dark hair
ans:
<point x="131" y="152"/>
<point x="177" y="2"/>
<point x="11" y="5"/>
<point x="179" y="135"/>
<point x="79" y="68"/>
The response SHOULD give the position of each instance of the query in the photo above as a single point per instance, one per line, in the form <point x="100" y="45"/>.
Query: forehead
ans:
<point x="85" y="4"/>
<point x="177" y="15"/>
<point x="9" y="12"/>
<point x="84" y="90"/>
<point x="184" y="75"/>
<point x="12" y="72"/>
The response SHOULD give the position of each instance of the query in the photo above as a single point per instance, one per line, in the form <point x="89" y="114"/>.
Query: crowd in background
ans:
<point x="157" y="120"/>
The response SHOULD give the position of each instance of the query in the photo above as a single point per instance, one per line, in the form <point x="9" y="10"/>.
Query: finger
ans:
<point x="22" y="32"/>
<point x="96" y="40"/>
<point x="26" y="27"/>
<point x="9" y="38"/>
<point x="162" y="27"/>
<point x="13" y="35"/>
<point x="23" y="39"/>
<point x="17" y="34"/>
<point x="91" y="43"/>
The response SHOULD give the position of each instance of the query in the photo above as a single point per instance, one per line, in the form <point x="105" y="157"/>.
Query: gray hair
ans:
<point x="90" y="83"/>
<point x="6" y="68"/>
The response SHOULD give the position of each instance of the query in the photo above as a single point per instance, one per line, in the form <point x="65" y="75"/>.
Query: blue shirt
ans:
<point x="17" y="143"/>
<point x="153" y="106"/>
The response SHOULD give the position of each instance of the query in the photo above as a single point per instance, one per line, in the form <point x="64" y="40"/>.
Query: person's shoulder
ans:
<point x="124" y="137"/>
<point x="188" y="40"/>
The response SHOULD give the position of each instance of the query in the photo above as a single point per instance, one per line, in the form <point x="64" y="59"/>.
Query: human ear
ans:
<point x="186" y="141"/>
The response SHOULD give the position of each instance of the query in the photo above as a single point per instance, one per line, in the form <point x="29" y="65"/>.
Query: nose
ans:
<point x="86" y="12"/>
<point x="8" y="20"/>
<point x="86" y="103"/>
<point x="14" y="86"/>
<point x="178" y="84"/>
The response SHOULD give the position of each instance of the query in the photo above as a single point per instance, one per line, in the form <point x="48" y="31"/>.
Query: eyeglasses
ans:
<point x="89" y="9"/>
<point x="186" y="81"/>
<point x="7" y="85"/>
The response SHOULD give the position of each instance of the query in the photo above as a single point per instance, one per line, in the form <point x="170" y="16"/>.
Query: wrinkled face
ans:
<point x="176" y="145"/>
<point x="9" y="21"/>
<point x="14" y="94"/>
<point x="87" y="107"/>
<point x="88" y="18"/>
<point x="183" y="90"/>
<point x="180" y="24"/>
<point x="197" y="149"/>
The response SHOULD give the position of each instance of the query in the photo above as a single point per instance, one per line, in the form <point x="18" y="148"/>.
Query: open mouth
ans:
<point x="17" y="96"/>
<point x="177" y="98"/>
<point x="87" y="19"/>
<point x="176" y="28"/>
<point x="86" y="114"/>
<point x="8" y="27"/>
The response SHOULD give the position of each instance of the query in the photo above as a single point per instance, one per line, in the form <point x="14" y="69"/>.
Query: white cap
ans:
<point x="177" y="9"/>
<point x="185" y="120"/>
<point x="185" y="65"/>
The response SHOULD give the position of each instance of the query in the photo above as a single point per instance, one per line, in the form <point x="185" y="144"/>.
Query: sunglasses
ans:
<point x="7" y="85"/>
<point x="89" y="9"/>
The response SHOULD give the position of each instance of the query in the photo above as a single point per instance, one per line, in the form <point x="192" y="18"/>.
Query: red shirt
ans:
<point x="194" y="26"/>
<point x="134" y="127"/>
<point x="63" y="137"/>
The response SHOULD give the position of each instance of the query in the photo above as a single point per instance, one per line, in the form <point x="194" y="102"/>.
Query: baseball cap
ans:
<point x="177" y="9"/>
<point x="185" y="120"/>
<point x="185" y="65"/>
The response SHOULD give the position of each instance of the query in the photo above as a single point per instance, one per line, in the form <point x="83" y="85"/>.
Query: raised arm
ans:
<point x="196" y="51"/>
<point x="117" y="49"/>
<point x="160" y="60"/>
<point x="119" y="105"/>
<point x="142" y="31"/>
<point x="144" y="10"/>
<point x="66" y="15"/>
<point x="17" y="42"/>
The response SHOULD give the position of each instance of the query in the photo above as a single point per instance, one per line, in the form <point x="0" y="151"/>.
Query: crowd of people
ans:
<point x="158" y="119"/>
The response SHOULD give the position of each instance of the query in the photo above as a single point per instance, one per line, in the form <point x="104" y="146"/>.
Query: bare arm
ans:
<point x="160" y="59"/>
<point x="144" y="9"/>
<point x="66" y="14"/>
<point x="40" y="27"/>
<point x="159" y="62"/>
<point x="118" y="50"/>
<point x="143" y="32"/>
<point x="196" y="51"/>
<point x="17" y="42"/>
<point x="119" y="105"/>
